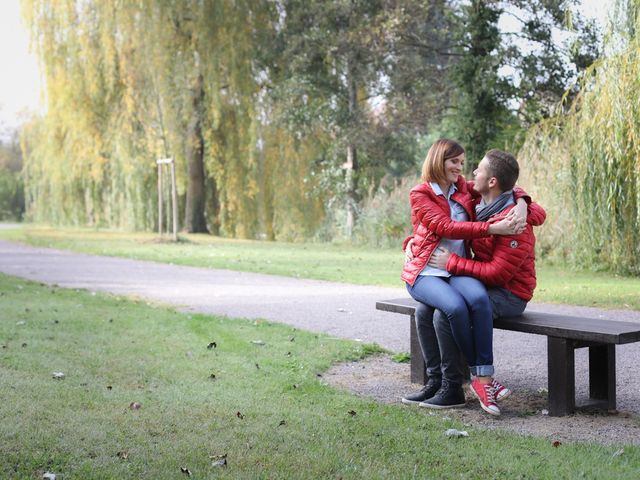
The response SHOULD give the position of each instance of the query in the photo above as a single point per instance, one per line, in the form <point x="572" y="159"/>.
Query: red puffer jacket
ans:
<point x="506" y="261"/>
<point x="431" y="220"/>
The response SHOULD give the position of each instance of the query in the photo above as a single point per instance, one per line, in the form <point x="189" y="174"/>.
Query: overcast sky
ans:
<point x="20" y="80"/>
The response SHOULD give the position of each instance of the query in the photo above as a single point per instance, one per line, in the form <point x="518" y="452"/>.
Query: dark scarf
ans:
<point x="485" y="211"/>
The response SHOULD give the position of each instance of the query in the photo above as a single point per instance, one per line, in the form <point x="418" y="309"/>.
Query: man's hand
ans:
<point x="439" y="258"/>
<point x="408" y="253"/>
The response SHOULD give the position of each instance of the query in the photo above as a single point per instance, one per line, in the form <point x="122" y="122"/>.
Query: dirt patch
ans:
<point x="384" y="380"/>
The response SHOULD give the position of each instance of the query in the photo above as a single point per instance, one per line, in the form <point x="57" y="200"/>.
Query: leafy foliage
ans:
<point x="284" y="117"/>
<point x="11" y="185"/>
<point x="508" y="78"/>
<point x="585" y="168"/>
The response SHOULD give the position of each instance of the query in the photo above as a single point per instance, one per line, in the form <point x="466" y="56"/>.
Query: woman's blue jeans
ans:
<point x="465" y="303"/>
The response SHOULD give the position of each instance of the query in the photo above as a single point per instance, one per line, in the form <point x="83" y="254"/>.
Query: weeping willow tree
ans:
<point x="585" y="167"/>
<point x="128" y="82"/>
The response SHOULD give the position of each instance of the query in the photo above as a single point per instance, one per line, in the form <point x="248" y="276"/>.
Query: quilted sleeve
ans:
<point x="436" y="220"/>
<point x="509" y="253"/>
<point x="536" y="214"/>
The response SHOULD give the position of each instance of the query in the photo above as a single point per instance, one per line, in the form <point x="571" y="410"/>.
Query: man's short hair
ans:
<point x="504" y="167"/>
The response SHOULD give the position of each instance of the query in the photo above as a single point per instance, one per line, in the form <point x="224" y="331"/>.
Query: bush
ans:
<point x="11" y="195"/>
<point x="385" y="216"/>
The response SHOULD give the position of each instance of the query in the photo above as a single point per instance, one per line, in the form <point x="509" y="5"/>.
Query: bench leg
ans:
<point x="418" y="368"/>
<point x="562" y="384"/>
<point x="602" y="375"/>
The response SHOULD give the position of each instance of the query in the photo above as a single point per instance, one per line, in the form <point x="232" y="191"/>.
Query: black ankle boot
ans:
<point x="428" y="391"/>
<point x="450" y="395"/>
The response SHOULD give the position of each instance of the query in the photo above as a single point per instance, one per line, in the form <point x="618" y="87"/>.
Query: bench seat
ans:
<point x="564" y="334"/>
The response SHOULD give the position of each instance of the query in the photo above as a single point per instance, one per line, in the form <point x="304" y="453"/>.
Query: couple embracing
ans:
<point x="460" y="293"/>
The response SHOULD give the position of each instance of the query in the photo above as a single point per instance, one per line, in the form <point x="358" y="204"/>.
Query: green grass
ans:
<point x="336" y="262"/>
<point x="290" y="424"/>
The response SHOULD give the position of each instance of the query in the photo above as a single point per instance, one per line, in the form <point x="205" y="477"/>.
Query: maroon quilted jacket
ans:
<point x="431" y="220"/>
<point x="506" y="261"/>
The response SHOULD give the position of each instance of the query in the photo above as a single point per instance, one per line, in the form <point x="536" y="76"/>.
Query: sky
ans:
<point x="20" y="81"/>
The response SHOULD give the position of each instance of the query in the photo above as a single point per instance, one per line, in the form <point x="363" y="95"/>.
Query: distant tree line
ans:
<point x="284" y="116"/>
<point x="11" y="185"/>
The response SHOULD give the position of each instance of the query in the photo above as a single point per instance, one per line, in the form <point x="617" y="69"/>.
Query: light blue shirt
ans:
<point x="458" y="214"/>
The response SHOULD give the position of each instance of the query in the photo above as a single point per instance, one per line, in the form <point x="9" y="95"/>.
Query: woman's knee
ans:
<point x="456" y="312"/>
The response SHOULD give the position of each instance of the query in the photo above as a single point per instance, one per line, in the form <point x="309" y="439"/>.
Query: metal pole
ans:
<point x="174" y="201"/>
<point x="160" y="199"/>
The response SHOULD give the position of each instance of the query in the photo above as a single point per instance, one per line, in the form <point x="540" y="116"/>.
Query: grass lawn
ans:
<point x="266" y="408"/>
<point x="337" y="262"/>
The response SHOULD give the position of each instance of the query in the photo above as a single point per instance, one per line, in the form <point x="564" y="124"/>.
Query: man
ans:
<point x="505" y="264"/>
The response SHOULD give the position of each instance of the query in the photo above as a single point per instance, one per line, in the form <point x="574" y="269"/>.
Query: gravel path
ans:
<point x="338" y="309"/>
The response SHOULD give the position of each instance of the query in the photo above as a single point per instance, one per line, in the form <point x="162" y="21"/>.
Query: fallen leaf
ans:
<point x="257" y="366"/>
<point x="282" y="422"/>
<point x="258" y="342"/>
<point x="352" y="413"/>
<point x="292" y="339"/>
<point x="296" y="385"/>
<point x="212" y="376"/>
<point x="135" y="406"/>
<point x="109" y="387"/>
<point x="544" y="411"/>
<point x="212" y="345"/>
<point x="49" y="476"/>
<point x="57" y="375"/>
<point x="288" y="354"/>
<point x="186" y="471"/>
<point x="239" y="415"/>
<point x="556" y="444"/>
<point x="218" y="460"/>
<point x="123" y="454"/>
<point x="452" y="432"/>
<point x="24" y="345"/>
<point x="21" y="322"/>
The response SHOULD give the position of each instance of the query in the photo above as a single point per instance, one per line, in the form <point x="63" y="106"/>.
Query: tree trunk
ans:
<point x="351" y="165"/>
<point x="194" y="217"/>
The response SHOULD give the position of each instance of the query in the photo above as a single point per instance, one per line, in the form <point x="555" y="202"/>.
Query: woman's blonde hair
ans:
<point x="433" y="166"/>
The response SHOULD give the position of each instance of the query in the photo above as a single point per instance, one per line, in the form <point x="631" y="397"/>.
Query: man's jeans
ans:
<point x="465" y="303"/>
<point x="439" y="348"/>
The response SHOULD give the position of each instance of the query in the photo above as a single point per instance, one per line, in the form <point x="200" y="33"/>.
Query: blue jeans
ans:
<point x="465" y="303"/>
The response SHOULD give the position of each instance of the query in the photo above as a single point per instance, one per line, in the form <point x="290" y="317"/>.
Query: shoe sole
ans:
<point x="410" y="402"/>
<point x="441" y="407"/>
<point x="505" y="395"/>
<point x="484" y="407"/>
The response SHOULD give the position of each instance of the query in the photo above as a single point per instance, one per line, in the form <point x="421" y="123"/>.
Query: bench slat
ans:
<point x="562" y="326"/>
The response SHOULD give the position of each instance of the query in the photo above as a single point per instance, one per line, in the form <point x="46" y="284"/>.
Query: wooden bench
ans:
<point x="564" y="334"/>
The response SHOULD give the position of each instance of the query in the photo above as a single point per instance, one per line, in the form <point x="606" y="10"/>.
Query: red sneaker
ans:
<point x="484" y="393"/>
<point x="500" y="391"/>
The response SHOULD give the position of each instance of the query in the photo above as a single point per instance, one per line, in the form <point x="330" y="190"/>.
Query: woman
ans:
<point x="442" y="214"/>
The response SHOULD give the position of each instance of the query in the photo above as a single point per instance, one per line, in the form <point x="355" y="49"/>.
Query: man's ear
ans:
<point x="493" y="182"/>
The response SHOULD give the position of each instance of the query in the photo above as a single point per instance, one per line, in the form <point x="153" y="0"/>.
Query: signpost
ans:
<point x="174" y="195"/>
